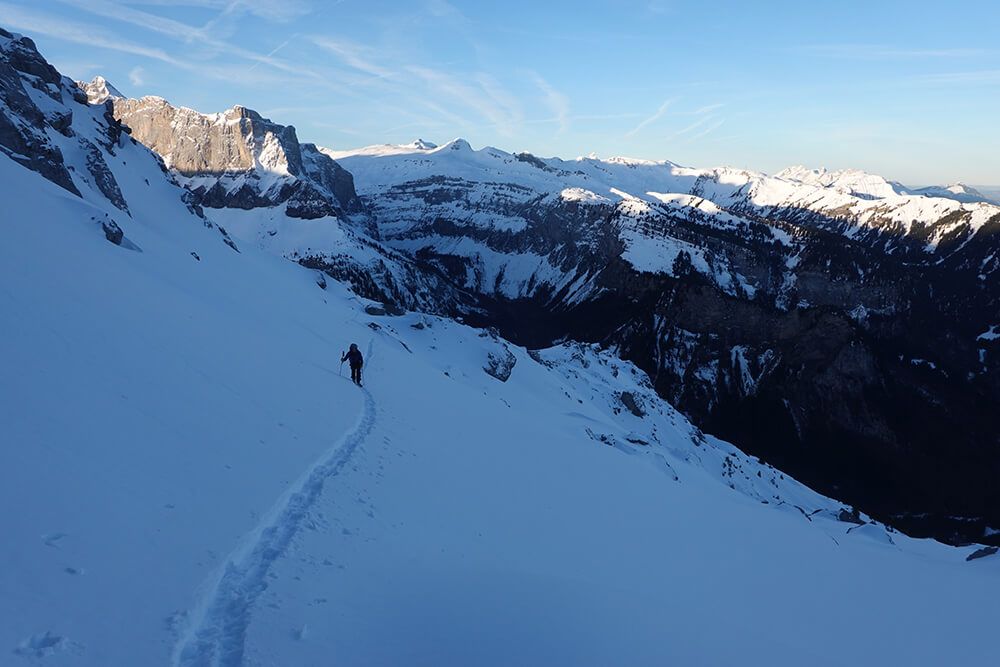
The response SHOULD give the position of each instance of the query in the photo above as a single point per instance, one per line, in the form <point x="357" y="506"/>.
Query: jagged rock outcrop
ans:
<point x="51" y="126"/>
<point x="239" y="159"/>
<point x="23" y="74"/>
<point x="500" y="363"/>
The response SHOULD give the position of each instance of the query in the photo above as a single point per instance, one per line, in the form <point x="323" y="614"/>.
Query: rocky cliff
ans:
<point x="237" y="158"/>
<point x="255" y="177"/>
<point x="840" y="329"/>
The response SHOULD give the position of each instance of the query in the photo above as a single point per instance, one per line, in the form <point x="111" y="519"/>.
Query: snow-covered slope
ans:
<point x="872" y="186"/>
<point x="958" y="192"/>
<point x="191" y="481"/>
<point x="852" y="181"/>
<point x="196" y="484"/>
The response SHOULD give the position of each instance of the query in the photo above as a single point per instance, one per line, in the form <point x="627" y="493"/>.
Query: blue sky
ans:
<point x="910" y="90"/>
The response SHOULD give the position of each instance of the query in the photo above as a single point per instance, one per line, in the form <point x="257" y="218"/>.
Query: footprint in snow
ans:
<point x="52" y="539"/>
<point x="46" y="644"/>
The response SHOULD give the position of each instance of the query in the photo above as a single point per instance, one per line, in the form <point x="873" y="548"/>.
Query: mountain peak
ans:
<point x="855" y="182"/>
<point x="958" y="191"/>
<point x="798" y="172"/>
<point x="99" y="90"/>
<point x="457" y="145"/>
<point x="420" y="144"/>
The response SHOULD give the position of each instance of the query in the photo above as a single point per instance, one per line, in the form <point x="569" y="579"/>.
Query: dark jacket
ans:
<point x="354" y="356"/>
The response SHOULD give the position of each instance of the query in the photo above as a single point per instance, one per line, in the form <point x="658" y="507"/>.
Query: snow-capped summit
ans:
<point x="865" y="185"/>
<point x="957" y="191"/>
<point x="99" y="90"/>
<point x="855" y="182"/>
<point x="416" y="146"/>
<point x="638" y="162"/>
<point x="458" y="144"/>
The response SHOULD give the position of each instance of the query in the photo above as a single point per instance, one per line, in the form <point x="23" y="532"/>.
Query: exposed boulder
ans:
<point x="631" y="403"/>
<point x="112" y="231"/>
<point x="982" y="553"/>
<point x="500" y="363"/>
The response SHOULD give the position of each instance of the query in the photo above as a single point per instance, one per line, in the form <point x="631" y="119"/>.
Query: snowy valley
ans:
<point x="191" y="479"/>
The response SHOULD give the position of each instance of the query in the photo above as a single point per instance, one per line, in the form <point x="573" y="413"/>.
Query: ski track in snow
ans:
<point x="218" y="637"/>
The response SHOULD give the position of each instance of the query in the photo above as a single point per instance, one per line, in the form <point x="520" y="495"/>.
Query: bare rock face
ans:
<point x="22" y="123"/>
<point x="239" y="159"/>
<point x="112" y="232"/>
<point x="982" y="552"/>
<point x="194" y="144"/>
<point x="500" y="363"/>
<point x="628" y="399"/>
<point x="99" y="90"/>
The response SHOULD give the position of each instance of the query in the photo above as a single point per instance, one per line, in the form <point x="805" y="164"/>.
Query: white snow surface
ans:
<point x="852" y="181"/>
<point x="993" y="333"/>
<point x="189" y="480"/>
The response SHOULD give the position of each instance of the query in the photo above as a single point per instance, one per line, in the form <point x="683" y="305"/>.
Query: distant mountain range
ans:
<point x="838" y="324"/>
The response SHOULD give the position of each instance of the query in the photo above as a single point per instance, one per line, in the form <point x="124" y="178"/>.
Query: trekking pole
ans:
<point x="341" y="372"/>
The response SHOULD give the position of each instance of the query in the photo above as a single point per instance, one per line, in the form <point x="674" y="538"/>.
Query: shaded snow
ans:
<point x="192" y="482"/>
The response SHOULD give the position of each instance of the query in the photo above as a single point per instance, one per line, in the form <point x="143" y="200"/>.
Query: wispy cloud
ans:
<point x="557" y="103"/>
<point x="473" y="97"/>
<point x="353" y="55"/>
<point x="43" y="24"/>
<point x="415" y="86"/>
<point x="445" y="10"/>
<point x="272" y="52"/>
<point x="886" y="52"/>
<point x="651" y="119"/>
<point x="708" y="130"/>
<point x="205" y="36"/>
<point x="988" y="77"/>
<point x="282" y="11"/>
<point x="708" y="108"/>
<point x="98" y="36"/>
<point x="501" y="97"/>
<point x="81" y="70"/>
<point x="704" y="120"/>
<point x="137" y="76"/>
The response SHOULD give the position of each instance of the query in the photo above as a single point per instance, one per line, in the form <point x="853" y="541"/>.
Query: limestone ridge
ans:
<point x="239" y="159"/>
<point x="255" y="177"/>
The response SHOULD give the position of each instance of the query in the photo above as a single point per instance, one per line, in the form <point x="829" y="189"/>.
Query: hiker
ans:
<point x="357" y="361"/>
